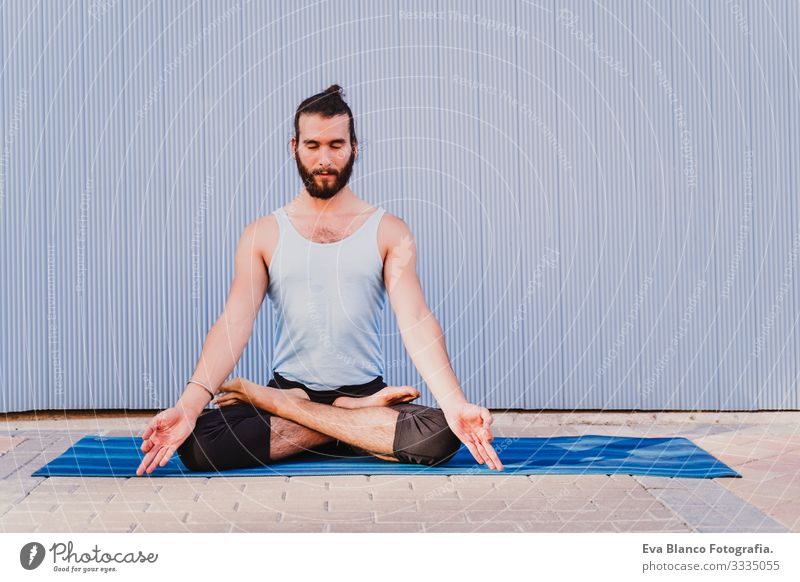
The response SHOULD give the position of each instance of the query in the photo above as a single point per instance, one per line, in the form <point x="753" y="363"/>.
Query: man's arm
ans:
<point x="421" y="332"/>
<point x="424" y="340"/>
<point x="229" y="335"/>
<point x="222" y="348"/>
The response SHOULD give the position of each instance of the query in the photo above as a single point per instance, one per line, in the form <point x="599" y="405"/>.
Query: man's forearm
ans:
<point x="222" y="348"/>
<point x="425" y="343"/>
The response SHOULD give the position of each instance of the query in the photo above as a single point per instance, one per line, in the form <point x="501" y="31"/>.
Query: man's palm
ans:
<point x="471" y="424"/>
<point x="162" y="437"/>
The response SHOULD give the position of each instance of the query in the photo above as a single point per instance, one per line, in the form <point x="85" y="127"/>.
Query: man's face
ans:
<point x="324" y="154"/>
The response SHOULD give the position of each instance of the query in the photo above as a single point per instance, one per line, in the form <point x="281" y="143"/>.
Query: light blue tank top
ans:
<point x="327" y="299"/>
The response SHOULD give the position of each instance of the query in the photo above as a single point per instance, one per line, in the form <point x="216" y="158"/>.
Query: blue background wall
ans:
<point x="604" y="195"/>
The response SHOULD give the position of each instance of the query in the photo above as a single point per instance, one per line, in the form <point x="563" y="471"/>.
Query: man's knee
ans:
<point x="195" y="454"/>
<point x="423" y="437"/>
<point x="223" y="441"/>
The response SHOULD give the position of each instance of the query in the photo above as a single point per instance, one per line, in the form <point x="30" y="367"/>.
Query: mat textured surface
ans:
<point x="98" y="456"/>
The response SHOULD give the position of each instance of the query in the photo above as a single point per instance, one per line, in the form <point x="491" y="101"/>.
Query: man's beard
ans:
<point x="325" y="192"/>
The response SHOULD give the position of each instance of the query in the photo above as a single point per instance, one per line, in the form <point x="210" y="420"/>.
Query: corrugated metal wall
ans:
<point x="604" y="195"/>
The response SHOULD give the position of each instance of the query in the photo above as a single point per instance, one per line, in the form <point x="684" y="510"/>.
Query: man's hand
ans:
<point x="162" y="437"/>
<point x="237" y="391"/>
<point x="471" y="423"/>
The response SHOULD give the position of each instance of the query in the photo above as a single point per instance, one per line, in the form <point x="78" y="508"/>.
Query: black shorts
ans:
<point x="238" y="436"/>
<point x="329" y="396"/>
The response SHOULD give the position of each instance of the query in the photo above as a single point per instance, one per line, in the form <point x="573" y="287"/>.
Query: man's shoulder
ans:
<point x="262" y="226"/>
<point x="393" y="233"/>
<point x="393" y="226"/>
<point x="262" y="234"/>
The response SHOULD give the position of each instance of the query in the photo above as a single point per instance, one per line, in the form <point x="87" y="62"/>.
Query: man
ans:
<point x="325" y="260"/>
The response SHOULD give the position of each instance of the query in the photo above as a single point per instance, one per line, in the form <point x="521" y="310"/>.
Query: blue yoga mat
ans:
<point x="98" y="456"/>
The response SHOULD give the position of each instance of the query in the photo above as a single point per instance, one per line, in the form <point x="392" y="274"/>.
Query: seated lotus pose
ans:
<point x="326" y="260"/>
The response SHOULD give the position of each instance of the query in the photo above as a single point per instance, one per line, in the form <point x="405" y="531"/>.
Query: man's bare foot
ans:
<point x="386" y="397"/>
<point x="241" y="390"/>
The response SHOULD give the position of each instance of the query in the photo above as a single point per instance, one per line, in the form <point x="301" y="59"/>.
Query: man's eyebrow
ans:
<point x="313" y="141"/>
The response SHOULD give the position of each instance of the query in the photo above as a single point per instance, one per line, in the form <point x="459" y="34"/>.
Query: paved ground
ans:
<point x="763" y="447"/>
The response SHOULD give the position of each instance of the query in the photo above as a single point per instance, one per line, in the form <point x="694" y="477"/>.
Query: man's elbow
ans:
<point x="413" y="319"/>
<point x="238" y="324"/>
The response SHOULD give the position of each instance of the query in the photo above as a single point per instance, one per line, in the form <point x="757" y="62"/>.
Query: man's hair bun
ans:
<point x="327" y="103"/>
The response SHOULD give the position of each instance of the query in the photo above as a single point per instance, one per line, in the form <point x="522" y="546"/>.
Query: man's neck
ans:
<point x="342" y="202"/>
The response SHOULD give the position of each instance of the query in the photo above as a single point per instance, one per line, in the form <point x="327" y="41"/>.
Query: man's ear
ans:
<point x="293" y="146"/>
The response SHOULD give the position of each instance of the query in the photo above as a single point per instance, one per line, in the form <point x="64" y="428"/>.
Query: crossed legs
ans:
<point x="300" y="422"/>
<point x="235" y="435"/>
<point x="288" y="438"/>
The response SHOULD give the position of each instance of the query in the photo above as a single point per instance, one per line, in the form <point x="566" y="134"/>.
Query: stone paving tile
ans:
<point x="708" y="504"/>
<point x="45" y="520"/>
<point x="89" y="529"/>
<point x="591" y="526"/>
<point x="374" y="528"/>
<point x="156" y="506"/>
<point x="787" y="514"/>
<point x="309" y="527"/>
<point x="633" y="497"/>
<point x="540" y="526"/>
<point x="654" y="526"/>
<point x="463" y="505"/>
<point x="13" y="465"/>
<point x="269" y="485"/>
<point x="328" y="516"/>
<point x="252" y="497"/>
<point x="221" y="527"/>
<point x="386" y="506"/>
<point x="533" y="503"/>
<point x="785" y="485"/>
<point x="176" y="491"/>
<point x="471" y="494"/>
<point x="512" y="515"/>
<point x="380" y="494"/>
<point x="620" y="514"/>
<point x="391" y="481"/>
<point x="384" y="519"/>
<point x="722" y="526"/>
<point x="346" y="481"/>
<point x="9" y="442"/>
<point x="157" y="527"/>
<point x="497" y="527"/>
<point x="435" y="517"/>
<point x="18" y="528"/>
<point x="212" y="516"/>
<point x="329" y="497"/>
<point x="116" y="517"/>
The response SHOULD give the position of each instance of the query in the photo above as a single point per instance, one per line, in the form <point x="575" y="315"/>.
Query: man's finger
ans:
<point x="472" y="445"/>
<point x="167" y="456"/>
<point x="145" y="462"/>
<point x="157" y="459"/>
<point x="147" y="444"/>
<point x="492" y="454"/>
<point x="489" y="460"/>
<point x="474" y="452"/>
<point x="152" y="426"/>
